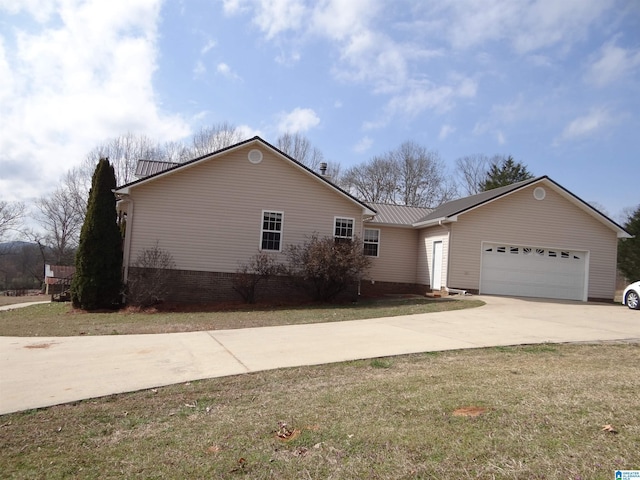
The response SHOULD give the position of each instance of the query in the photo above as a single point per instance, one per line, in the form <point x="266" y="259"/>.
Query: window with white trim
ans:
<point x="271" y="235"/>
<point x="371" y="242"/>
<point x="343" y="231"/>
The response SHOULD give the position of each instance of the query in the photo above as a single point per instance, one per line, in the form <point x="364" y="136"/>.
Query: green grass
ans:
<point x="378" y="419"/>
<point x="59" y="319"/>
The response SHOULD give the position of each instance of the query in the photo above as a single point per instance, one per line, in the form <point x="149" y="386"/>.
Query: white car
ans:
<point x="631" y="296"/>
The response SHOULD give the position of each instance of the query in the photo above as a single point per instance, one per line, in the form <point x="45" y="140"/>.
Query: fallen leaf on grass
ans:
<point x="609" y="428"/>
<point x="242" y="463"/>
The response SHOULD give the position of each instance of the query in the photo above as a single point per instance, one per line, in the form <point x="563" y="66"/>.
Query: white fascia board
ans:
<point x="435" y="221"/>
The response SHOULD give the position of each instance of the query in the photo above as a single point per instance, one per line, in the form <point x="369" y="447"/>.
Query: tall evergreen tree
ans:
<point x="97" y="281"/>
<point x="629" y="248"/>
<point x="505" y="173"/>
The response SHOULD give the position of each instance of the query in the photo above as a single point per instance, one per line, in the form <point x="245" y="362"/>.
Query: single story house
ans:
<point x="533" y="238"/>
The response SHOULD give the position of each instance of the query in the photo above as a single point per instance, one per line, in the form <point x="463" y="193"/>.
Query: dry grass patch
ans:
<point x="8" y="300"/>
<point x="545" y="410"/>
<point x="59" y="319"/>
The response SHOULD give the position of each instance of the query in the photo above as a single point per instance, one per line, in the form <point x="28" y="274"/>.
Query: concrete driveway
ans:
<point x="39" y="372"/>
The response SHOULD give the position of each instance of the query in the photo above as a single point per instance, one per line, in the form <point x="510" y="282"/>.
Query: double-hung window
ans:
<point x="271" y="231"/>
<point x="371" y="242"/>
<point x="343" y="230"/>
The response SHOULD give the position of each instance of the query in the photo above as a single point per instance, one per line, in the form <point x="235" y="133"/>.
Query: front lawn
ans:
<point x="59" y="319"/>
<point x="543" y="412"/>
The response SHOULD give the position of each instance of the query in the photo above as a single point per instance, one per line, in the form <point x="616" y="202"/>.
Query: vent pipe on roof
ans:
<point x="323" y="168"/>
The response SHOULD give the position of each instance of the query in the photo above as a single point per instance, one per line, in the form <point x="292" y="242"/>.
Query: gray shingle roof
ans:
<point x="397" y="214"/>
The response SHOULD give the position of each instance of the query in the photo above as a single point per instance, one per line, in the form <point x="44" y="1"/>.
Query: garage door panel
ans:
<point x="533" y="272"/>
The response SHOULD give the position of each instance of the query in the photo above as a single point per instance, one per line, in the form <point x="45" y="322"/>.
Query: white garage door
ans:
<point x="533" y="272"/>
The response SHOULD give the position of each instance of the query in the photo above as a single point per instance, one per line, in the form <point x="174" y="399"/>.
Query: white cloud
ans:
<point x="501" y="116"/>
<point x="589" y="124"/>
<point x="288" y="59"/>
<point x="232" y="7"/>
<point x="420" y="96"/>
<point x="207" y="46"/>
<point x="40" y="10"/>
<point x="612" y="63"/>
<point x="363" y="145"/>
<point x="526" y="26"/>
<point x="445" y="131"/>
<point x="298" y="120"/>
<point x="75" y="82"/>
<point x="199" y="69"/>
<point x="247" y="132"/>
<point x="225" y="70"/>
<point x="276" y="16"/>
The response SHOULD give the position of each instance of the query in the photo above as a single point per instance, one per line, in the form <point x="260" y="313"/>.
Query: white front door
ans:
<point x="436" y="270"/>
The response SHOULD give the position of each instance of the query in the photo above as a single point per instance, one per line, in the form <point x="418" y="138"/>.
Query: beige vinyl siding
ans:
<point x="209" y="215"/>
<point x="519" y="219"/>
<point x="425" y="253"/>
<point x="396" y="261"/>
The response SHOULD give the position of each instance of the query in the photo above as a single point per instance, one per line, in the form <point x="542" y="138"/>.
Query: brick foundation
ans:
<point x="377" y="289"/>
<point x="191" y="286"/>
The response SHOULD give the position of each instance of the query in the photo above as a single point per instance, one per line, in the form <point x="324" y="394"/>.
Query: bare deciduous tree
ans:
<point x="410" y="175"/>
<point x="11" y="215"/>
<point x="298" y="147"/>
<point x="421" y="176"/>
<point x="176" y="152"/>
<point x="211" y="139"/>
<point x="61" y="220"/>
<point x="123" y="153"/>
<point x="472" y="170"/>
<point x="373" y="181"/>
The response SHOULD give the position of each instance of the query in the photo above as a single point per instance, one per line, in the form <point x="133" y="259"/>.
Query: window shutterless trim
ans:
<point x="277" y="222"/>
<point x="371" y="243"/>
<point x="344" y="221"/>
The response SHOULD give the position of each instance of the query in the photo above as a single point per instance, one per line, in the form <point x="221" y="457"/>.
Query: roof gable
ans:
<point x="448" y="212"/>
<point x="125" y="189"/>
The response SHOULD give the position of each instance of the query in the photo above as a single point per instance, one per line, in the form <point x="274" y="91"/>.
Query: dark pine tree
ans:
<point x="505" y="173"/>
<point x="97" y="281"/>
<point x="629" y="248"/>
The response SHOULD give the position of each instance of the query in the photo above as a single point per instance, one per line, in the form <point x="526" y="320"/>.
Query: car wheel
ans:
<point x="632" y="300"/>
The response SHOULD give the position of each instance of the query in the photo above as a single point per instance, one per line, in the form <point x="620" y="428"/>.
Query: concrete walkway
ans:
<point x="39" y="372"/>
<point x="13" y="306"/>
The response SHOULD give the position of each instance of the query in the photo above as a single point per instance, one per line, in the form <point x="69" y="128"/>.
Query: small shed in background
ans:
<point x="57" y="279"/>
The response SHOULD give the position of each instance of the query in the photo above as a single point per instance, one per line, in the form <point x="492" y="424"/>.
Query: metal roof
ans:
<point x="397" y="214"/>
<point x="151" y="167"/>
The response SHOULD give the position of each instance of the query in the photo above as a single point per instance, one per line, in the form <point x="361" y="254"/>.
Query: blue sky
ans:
<point x="554" y="83"/>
